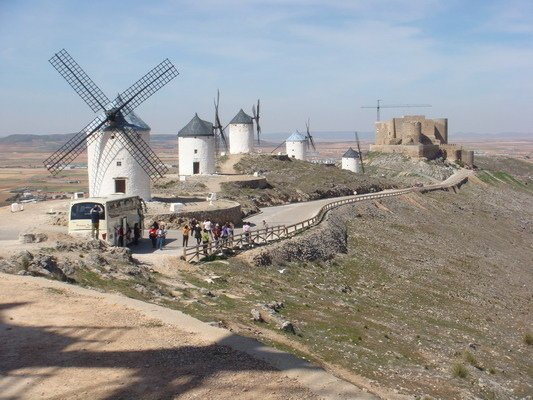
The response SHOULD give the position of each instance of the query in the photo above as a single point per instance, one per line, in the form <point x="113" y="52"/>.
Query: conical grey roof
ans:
<point x="351" y="153"/>
<point x="296" y="137"/>
<point x="241" y="118"/>
<point x="197" y="127"/>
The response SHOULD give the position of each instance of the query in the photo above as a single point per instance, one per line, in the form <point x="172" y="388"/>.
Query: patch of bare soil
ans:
<point x="59" y="344"/>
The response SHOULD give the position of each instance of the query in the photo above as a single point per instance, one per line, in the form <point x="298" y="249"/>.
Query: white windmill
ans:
<point x="241" y="133"/>
<point x="119" y="157"/>
<point x="351" y="161"/>
<point x="197" y="148"/>
<point x="296" y="146"/>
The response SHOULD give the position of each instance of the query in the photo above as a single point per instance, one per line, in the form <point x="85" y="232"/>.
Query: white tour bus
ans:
<point x="119" y="216"/>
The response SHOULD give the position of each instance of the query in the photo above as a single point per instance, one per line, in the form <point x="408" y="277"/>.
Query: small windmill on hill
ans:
<point x="120" y="159"/>
<point x="218" y="129"/>
<point x="298" y="144"/>
<point x="255" y="113"/>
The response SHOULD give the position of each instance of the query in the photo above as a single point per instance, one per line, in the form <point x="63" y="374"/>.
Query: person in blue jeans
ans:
<point x="161" y="235"/>
<point x="95" y="212"/>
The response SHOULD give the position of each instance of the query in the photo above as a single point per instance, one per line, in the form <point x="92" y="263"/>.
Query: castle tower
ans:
<point x="296" y="145"/>
<point x="351" y="161"/>
<point x="241" y="133"/>
<point x="111" y="167"/>
<point x="412" y="132"/>
<point x="196" y="147"/>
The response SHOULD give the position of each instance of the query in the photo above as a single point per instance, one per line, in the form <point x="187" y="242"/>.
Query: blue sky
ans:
<point x="471" y="60"/>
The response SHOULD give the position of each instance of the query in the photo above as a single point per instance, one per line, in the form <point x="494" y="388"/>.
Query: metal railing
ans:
<point x="244" y="241"/>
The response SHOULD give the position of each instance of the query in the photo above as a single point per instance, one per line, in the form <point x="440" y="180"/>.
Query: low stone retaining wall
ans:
<point x="175" y="220"/>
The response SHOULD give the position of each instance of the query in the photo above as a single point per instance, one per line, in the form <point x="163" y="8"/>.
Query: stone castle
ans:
<point x="417" y="137"/>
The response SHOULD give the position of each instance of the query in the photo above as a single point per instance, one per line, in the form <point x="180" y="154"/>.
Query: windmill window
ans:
<point x="119" y="163"/>
<point x="195" y="151"/>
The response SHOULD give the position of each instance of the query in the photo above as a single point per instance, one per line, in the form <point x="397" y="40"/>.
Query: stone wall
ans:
<point x="412" y="129"/>
<point x="414" y="151"/>
<point x="175" y="220"/>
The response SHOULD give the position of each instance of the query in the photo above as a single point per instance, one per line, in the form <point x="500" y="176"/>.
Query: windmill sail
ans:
<point x="142" y="153"/>
<point x="79" y="80"/>
<point x="113" y="114"/>
<point x="75" y="146"/>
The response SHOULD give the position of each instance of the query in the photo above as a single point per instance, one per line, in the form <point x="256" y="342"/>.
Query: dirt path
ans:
<point x="60" y="341"/>
<point x="227" y="166"/>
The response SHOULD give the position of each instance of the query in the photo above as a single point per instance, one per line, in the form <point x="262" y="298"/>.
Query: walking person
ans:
<point x="136" y="234"/>
<point x="205" y="240"/>
<point x="96" y="213"/>
<point x="246" y="230"/>
<point x="208" y="226"/>
<point x="229" y="229"/>
<point x="215" y="233"/>
<point x="198" y="233"/>
<point x="224" y="235"/>
<point x="152" y="234"/>
<point x="161" y="235"/>
<point x="185" y="233"/>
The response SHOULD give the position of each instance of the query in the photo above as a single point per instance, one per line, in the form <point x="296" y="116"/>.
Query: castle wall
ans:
<point x="412" y="132"/>
<point x="108" y="160"/>
<point x="413" y="151"/>
<point x="452" y="152"/>
<point x="241" y="138"/>
<point x="385" y="132"/>
<point x="467" y="157"/>
<point x="441" y="130"/>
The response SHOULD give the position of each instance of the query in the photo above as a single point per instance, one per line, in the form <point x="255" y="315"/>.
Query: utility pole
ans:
<point x="380" y="106"/>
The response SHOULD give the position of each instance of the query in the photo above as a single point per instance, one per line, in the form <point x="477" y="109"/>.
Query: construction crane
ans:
<point x="380" y="106"/>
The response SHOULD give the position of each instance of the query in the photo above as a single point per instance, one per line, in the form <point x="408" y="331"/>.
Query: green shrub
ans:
<point x="528" y="338"/>
<point x="459" y="371"/>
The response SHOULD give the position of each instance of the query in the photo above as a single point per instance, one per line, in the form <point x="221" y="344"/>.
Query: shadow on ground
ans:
<point x="39" y="352"/>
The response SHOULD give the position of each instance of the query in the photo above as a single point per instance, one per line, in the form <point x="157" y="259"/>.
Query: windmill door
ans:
<point x="120" y="185"/>
<point x="196" y="167"/>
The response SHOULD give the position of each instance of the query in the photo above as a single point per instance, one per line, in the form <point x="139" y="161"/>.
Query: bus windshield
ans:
<point x="83" y="211"/>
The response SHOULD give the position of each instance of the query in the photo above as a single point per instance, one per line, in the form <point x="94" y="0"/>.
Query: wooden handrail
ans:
<point x="280" y="232"/>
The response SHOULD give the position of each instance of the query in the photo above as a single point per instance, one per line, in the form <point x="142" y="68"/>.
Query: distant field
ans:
<point x="39" y="179"/>
<point x="21" y="165"/>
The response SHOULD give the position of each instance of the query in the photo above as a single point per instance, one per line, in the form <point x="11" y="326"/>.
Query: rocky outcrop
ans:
<point x="68" y="259"/>
<point x="321" y="243"/>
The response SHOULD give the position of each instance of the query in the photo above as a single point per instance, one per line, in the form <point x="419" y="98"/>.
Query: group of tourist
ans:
<point x="206" y="232"/>
<point x="203" y="232"/>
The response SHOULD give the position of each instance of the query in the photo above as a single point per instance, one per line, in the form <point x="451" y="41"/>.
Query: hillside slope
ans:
<point x="433" y="296"/>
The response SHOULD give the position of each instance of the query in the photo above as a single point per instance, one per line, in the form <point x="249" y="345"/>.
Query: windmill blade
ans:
<point x="75" y="146"/>
<point x="79" y="80"/>
<point x="218" y="125"/>
<point x="309" y="135"/>
<point x="141" y="152"/>
<point x="223" y="137"/>
<point x="256" y="119"/>
<point x="277" y="147"/>
<point x="147" y="86"/>
<point x="359" y="151"/>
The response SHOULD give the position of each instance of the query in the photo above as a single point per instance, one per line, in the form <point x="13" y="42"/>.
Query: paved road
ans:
<point x="283" y="215"/>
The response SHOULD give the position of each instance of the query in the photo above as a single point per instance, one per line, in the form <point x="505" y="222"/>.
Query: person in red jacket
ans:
<point x="152" y="234"/>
